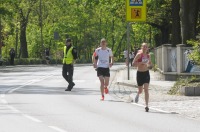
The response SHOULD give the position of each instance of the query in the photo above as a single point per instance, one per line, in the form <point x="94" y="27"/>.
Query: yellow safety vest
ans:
<point x="68" y="58"/>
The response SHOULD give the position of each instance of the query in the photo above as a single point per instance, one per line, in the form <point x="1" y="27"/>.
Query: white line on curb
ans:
<point x="57" y="129"/>
<point x="163" y="111"/>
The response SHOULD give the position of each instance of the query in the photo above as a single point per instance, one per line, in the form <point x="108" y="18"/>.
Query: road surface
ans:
<point x="33" y="99"/>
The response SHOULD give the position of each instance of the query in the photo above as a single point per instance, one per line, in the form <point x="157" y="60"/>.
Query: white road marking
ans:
<point x="57" y="129"/>
<point x="13" y="109"/>
<point x="32" y="118"/>
<point x="167" y="112"/>
<point x="2" y="95"/>
<point x="28" y="83"/>
<point x="4" y="101"/>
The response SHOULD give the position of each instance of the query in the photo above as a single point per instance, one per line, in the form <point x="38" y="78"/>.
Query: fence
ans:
<point x="173" y="60"/>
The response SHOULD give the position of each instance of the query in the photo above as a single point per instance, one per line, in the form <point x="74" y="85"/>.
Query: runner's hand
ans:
<point x="94" y="65"/>
<point x="110" y="64"/>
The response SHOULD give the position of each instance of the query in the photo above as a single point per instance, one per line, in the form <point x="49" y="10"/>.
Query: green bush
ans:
<point x="181" y="82"/>
<point x="195" y="55"/>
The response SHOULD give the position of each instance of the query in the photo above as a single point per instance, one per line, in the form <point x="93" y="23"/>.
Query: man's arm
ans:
<point x="111" y="61"/>
<point x="135" y="61"/>
<point x="94" y="60"/>
<point x="74" y="53"/>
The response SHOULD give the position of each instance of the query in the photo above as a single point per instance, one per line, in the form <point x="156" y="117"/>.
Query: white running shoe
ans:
<point x="137" y="98"/>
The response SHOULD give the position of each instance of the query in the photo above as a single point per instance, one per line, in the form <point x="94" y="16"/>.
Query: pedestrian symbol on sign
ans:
<point x="136" y="2"/>
<point x="136" y="13"/>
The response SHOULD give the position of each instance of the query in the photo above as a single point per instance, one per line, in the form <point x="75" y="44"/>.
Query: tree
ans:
<point x="3" y="13"/>
<point x="189" y="15"/>
<point x="24" y="9"/>
<point x="159" y="16"/>
<point x="176" y="29"/>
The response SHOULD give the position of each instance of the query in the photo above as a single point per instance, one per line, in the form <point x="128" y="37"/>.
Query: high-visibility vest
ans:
<point x="68" y="58"/>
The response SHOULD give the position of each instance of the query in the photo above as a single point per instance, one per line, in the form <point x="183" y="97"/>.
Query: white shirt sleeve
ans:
<point x="110" y="53"/>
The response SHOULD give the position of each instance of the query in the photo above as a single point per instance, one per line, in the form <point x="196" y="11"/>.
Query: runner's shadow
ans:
<point x="167" y="113"/>
<point x="114" y="101"/>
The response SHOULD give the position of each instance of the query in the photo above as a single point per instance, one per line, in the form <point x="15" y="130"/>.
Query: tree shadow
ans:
<point x="49" y="90"/>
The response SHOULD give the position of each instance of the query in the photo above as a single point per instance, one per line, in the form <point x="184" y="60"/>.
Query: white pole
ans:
<point x="128" y="47"/>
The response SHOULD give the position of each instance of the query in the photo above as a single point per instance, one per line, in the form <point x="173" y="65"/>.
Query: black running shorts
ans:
<point x="105" y="72"/>
<point x="143" y="77"/>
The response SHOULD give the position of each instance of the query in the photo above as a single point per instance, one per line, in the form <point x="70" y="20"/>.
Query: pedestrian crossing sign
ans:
<point x="136" y="13"/>
<point x="136" y="10"/>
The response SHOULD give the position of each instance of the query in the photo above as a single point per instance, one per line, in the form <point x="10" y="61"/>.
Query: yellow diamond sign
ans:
<point x="135" y="10"/>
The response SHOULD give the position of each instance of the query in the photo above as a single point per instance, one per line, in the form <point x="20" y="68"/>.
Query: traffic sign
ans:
<point x="56" y="35"/>
<point x="136" y="10"/>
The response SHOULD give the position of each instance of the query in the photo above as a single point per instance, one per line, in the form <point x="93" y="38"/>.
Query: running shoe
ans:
<point x="69" y="88"/>
<point x="102" y="98"/>
<point x="106" y="90"/>
<point x="73" y="84"/>
<point x="147" y="109"/>
<point x="137" y="98"/>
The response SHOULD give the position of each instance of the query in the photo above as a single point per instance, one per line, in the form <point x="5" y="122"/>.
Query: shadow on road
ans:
<point x="36" y="89"/>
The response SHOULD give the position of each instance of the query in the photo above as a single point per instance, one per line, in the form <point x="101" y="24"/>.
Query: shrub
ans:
<point x="181" y="82"/>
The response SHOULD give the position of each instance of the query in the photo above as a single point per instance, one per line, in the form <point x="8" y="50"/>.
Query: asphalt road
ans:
<point x="32" y="99"/>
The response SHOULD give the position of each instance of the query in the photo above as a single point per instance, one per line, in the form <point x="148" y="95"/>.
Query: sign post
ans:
<point x="56" y="37"/>
<point x="135" y="12"/>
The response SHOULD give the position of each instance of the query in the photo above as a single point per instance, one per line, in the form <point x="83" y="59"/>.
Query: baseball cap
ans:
<point x="68" y="40"/>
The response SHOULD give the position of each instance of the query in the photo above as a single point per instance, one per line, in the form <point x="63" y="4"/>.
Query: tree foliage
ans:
<point x="86" y="22"/>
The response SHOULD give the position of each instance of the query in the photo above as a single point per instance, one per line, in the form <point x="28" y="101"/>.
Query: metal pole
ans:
<point x="128" y="46"/>
<point x="16" y="43"/>
<point x="41" y="26"/>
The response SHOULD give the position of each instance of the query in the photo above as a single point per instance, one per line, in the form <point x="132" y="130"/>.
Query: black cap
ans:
<point x="68" y="40"/>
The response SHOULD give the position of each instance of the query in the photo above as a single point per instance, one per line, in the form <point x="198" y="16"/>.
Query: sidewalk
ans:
<point x="126" y="90"/>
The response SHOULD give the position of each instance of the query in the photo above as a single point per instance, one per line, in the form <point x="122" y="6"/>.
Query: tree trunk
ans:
<point x="113" y="37"/>
<point x="23" y="42"/>
<point x="117" y="52"/>
<point x="188" y="15"/>
<point x="176" y="27"/>
<point x="1" y="42"/>
<point x="193" y="17"/>
<point x="165" y="28"/>
<point x="23" y="24"/>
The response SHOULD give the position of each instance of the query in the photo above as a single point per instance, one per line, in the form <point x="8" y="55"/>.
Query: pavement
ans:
<point x="160" y="100"/>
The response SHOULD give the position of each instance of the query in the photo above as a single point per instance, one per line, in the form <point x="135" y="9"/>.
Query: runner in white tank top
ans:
<point x="103" y="62"/>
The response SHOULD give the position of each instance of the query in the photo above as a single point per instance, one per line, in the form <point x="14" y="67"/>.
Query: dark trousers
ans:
<point x="131" y="61"/>
<point x="12" y="61"/>
<point x="67" y="73"/>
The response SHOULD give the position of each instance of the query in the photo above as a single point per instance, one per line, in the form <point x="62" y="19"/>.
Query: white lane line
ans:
<point x="159" y="110"/>
<point x="4" y="101"/>
<point x="32" y="118"/>
<point x="28" y="83"/>
<point x="14" y="109"/>
<point x="57" y="129"/>
<point x="2" y="95"/>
